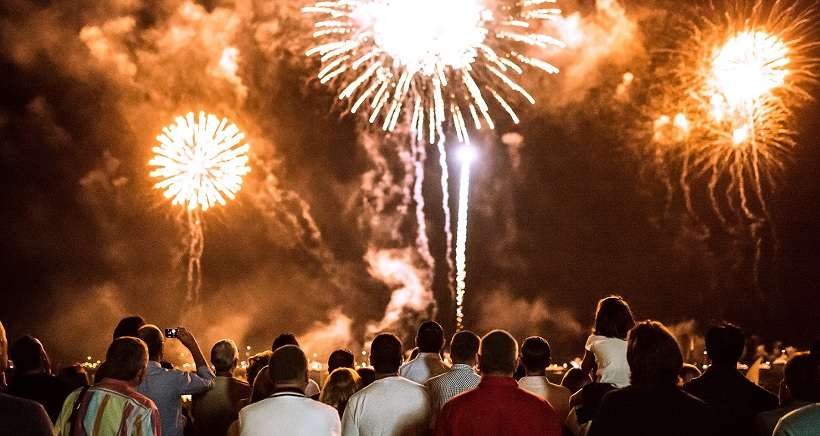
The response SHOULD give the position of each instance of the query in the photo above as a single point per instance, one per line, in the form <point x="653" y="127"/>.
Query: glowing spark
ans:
<point x="467" y="155"/>
<point x="433" y="56"/>
<point x="199" y="162"/>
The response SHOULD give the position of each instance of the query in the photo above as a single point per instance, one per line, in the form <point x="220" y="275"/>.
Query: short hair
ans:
<point x="575" y="379"/>
<point x="287" y="363"/>
<point x="430" y="337"/>
<point x="153" y="338"/>
<point x="341" y="358"/>
<point x="802" y="377"/>
<point x="464" y="345"/>
<point x="255" y="364"/>
<point x="128" y="326"/>
<point x="368" y="375"/>
<point x="535" y="353"/>
<point x="498" y="353"/>
<point x="28" y="354"/>
<point x="224" y="355"/>
<point x="613" y="317"/>
<point x="75" y="376"/>
<point x="125" y="358"/>
<point x="341" y="383"/>
<point x="725" y="343"/>
<point x="653" y="355"/>
<point x="385" y="353"/>
<point x="689" y="372"/>
<point x="284" y="339"/>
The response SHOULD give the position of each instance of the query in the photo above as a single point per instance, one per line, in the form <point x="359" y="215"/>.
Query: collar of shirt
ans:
<point x="122" y="384"/>
<point x="497" y="381"/>
<point x="423" y="356"/>
<point x="288" y="392"/>
<point x="154" y="364"/>
<point x="461" y="367"/>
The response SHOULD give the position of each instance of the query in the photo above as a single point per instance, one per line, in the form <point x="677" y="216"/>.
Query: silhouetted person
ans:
<point x="216" y="409"/>
<point x="32" y="376"/>
<point x="367" y="374"/>
<point x="288" y="411"/>
<point x="735" y="400"/>
<point x="74" y="376"/>
<point x="129" y="326"/>
<point x="535" y="356"/>
<point x="113" y="406"/>
<point x="165" y="386"/>
<point x="802" y="381"/>
<point x="255" y="364"/>
<point x="391" y="405"/>
<point x="653" y="404"/>
<point x="341" y="358"/>
<point x="497" y="406"/>
<point x="605" y="356"/>
<point x="263" y="384"/>
<point x="340" y="385"/>
<point x="575" y="379"/>
<point x="428" y="363"/>
<point x="461" y="376"/>
<point x="688" y="373"/>
<point x="19" y="416"/>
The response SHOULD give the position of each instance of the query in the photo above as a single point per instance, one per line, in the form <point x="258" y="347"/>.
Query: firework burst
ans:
<point x="444" y="63"/>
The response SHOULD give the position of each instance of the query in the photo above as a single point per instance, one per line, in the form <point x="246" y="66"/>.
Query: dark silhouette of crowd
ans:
<point x="632" y="380"/>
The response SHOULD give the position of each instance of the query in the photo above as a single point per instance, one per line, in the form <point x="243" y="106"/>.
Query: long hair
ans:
<point x="653" y="355"/>
<point x="613" y="317"/>
<point x="340" y="385"/>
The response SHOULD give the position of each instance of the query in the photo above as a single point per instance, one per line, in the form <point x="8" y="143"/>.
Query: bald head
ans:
<point x="498" y="353"/>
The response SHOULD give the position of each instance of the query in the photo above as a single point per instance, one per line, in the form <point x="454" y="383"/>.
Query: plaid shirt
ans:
<point x="458" y="379"/>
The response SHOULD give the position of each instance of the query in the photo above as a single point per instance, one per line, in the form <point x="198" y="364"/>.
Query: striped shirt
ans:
<point x="111" y="407"/>
<point x="458" y="379"/>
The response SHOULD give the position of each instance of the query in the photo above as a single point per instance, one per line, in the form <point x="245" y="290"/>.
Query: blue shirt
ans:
<point x="165" y="386"/>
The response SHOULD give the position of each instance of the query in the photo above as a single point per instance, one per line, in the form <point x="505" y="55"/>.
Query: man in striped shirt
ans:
<point x="461" y="376"/>
<point x="113" y="406"/>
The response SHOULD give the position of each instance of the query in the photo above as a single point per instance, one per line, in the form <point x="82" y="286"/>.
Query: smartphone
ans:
<point x="171" y="333"/>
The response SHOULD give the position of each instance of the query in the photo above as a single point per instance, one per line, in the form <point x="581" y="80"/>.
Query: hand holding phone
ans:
<point x="171" y="333"/>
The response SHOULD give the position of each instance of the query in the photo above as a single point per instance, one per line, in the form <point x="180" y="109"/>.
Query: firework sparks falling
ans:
<point x="448" y="63"/>
<point x="466" y="154"/>
<point x="199" y="164"/>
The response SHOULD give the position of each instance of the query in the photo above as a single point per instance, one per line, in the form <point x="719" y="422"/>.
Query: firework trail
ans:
<point x="199" y="163"/>
<point x="419" y="158"/>
<point x="467" y="155"/>
<point x="445" y="205"/>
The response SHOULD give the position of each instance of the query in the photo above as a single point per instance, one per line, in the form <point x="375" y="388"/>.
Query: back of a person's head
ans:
<point x="28" y="354"/>
<point x="613" y="317"/>
<point x="74" y="376"/>
<point x="339" y="386"/>
<point x="341" y="358"/>
<point x="575" y="379"/>
<point x="385" y="353"/>
<point x="126" y="358"/>
<point x="288" y="364"/>
<point x="803" y="378"/>
<point x="128" y="326"/>
<point x="535" y="353"/>
<point x="430" y="337"/>
<point x="689" y="372"/>
<point x="154" y="340"/>
<point x="497" y="354"/>
<point x="464" y="346"/>
<point x="284" y="339"/>
<point x="255" y="364"/>
<point x="653" y="355"/>
<point x="368" y="375"/>
<point x="224" y="355"/>
<point x="725" y="343"/>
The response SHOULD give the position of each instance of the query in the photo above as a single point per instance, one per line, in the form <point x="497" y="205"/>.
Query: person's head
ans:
<point x="575" y="379"/>
<point x="653" y="355"/>
<point x="339" y="386"/>
<point x="688" y="372"/>
<point x="725" y="343"/>
<point x="497" y="354"/>
<point x="74" y="376"/>
<point x="368" y="375"/>
<point x="430" y="337"/>
<point x="255" y="364"/>
<point x="341" y="358"/>
<point x="28" y="355"/>
<point x="385" y="354"/>
<point x="284" y="339"/>
<point x="535" y="355"/>
<point x="613" y="317"/>
<point x="126" y="359"/>
<point x="802" y="377"/>
<point x="464" y="347"/>
<point x="224" y="356"/>
<point x="288" y="367"/>
<point x="128" y="326"/>
<point x="154" y="339"/>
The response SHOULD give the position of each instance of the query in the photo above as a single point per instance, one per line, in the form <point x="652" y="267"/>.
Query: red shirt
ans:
<point x="497" y="407"/>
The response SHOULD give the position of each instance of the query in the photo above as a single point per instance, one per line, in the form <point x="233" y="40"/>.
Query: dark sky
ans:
<point x="570" y="215"/>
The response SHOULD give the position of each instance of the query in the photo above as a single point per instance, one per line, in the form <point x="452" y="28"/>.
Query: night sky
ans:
<point x="572" y="213"/>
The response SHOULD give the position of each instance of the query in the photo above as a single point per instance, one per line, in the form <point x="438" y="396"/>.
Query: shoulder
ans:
<point x="16" y="404"/>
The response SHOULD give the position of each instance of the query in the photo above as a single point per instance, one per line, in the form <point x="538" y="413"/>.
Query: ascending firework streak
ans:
<point x="466" y="154"/>
<point x="200" y="163"/>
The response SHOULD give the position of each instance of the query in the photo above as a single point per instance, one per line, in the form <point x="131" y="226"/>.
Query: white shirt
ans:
<point x="289" y="413"/>
<point x="610" y="356"/>
<point x="556" y="395"/>
<point x="391" y="406"/>
<point x="423" y="367"/>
